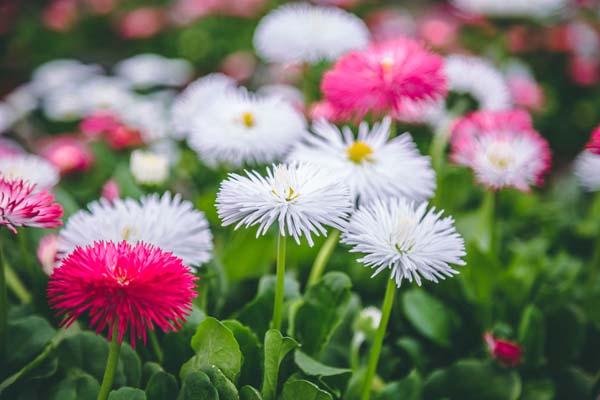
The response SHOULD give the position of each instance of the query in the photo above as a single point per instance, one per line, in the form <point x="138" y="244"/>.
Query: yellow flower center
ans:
<point x="248" y="119"/>
<point x="359" y="151"/>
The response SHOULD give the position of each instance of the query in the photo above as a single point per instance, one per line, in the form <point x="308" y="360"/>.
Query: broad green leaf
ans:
<point x="148" y="369"/>
<point x="532" y="335"/>
<point x="429" y="316"/>
<point x="409" y="388"/>
<point x="225" y="389"/>
<point x="303" y="390"/>
<point x="129" y="366"/>
<point x="76" y="386"/>
<point x="161" y="385"/>
<point x="565" y="328"/>
<point x="26" y="338"/>
<point x="312" y="367"/>
<point x="214" y="344"/>
<point x="249" y="393"/>
<point x="276" y="348"/>
<point x="256" y="260"/>
<point x="251" y="352"/>
<point x="127" y="393"/>
<point x="473" y="380"/>
<point x="176" y="345"/>
<point x="197" y="386"/>
<point x="85" y="351"/>
<point x="322" y="310"/>
<point x="538" y="390"/>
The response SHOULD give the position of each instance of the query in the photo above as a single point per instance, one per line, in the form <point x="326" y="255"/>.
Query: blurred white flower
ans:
<point x="22" y="101"/>
<point x="6" y="117"/>
<point x="373" y="165"/>
<point x="411" y="241"/>
<point x="149" y="70"/>
<point x="196" y="97"/>
<point x="31" y="168"/>
<point x="104" y="93"/>
<point x="300" y="198"/>
<point x="512" y="8"/>
<point x="165" y="221"/>
<point x="241" y="128"/>
<point x="149" y="168"/>
<point x="147" y="115"/>
<point x="306" y="33"/>
<point x="587" y="167"/>
<point x="59" y="73"/>
<point x="288" y="93"/>
<point x="368" y="321"/>
<point x="65" y="104"/>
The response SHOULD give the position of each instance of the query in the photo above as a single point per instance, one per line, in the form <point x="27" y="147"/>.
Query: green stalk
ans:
<point x="3" y="306"/>
<point x="595" y="265"/>
<point x="16" y="285"/>
<point x="280" y="288"/>
<point x="386" y="309"/>
<point x="325" y="252"/>
<point x="111" y="364"/>
<point x="155" y="345"/>
<point x="485" y="234"/>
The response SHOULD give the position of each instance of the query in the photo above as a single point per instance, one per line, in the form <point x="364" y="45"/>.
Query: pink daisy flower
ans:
<point x="593" y="145"/>
<point x="21" y="204"/>
<point x="502" y="148"/>
<point x="397" y="77"/>
<point x="136" y="285"/>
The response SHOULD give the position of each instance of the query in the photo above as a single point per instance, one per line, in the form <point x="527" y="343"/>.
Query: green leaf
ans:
<point x="565" y="329"/>
<point x="197" y="386"/>
<point x="225" y="389"/>
<point x="473" y="380"/>
<point x="249" y="393"/>
<point x="148" y="370"/>
<point x="77" y="386"/>
<point x="215" y="345"/>
<point x="176" y="345"/>
<point x="257" y="314"/>
<point x="538" y="390"/>
<point x="85" y="351"/>
<point x="161" y="385"/>
<point x="26" y="338"/>
<point x="312" y="367"/>
<point x="127" y="393"/>
<point x="129" y="366"/>
<point x="253" y="264"/>
<point x="532" y="335"/>
<point x="322" y="310"/>
<point x="276" y="348"/>
<point x="429" y="316"/>
<point x="409" y="388"/>
<point x="251" y="352"/>
<point x="303" y="390"/>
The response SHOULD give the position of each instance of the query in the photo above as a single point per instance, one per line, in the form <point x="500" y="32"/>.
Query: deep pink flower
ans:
<point x="138" y="285"/>
<point x="594" y="143"/>
<point x="502" y="148"/>
<point x="507" y="353"/>
<point x="46" y="252"/>
<point x="60" y="15"/>
<point x="584" y="71"/>
<point x="118" y="135"/>
<point x="67" y="153"/>
<point x="99" y="123"/>
<point x="143" y="22"/>
<point x="398" y="77"/>
<point x="22" y="205"/>
<point x="526" y="92"/>
<point x="110" y="190"/>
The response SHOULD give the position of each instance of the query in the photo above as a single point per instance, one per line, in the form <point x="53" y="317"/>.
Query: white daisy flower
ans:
<point x="149" y="168"/>
<point x="22" y="100"/>
<point x="64" y="104"/>
<point x="31" y="168"/>
<point x="372" y="165"/>
<point x="307" y="33"/>
<point x="241" y="128"/>
<point x="411" y="241"/>
<point x="165" y="221"/>
<point x="149" y="70"/>
<point x="300" y="198"/>
<point x="147" y="115"/>
<point x="105" y="93"/>
<point x="512" y="8"/>
<point x="196" y="97"/>
<point x="57" y="74"/>
<point x="587" y="166"/>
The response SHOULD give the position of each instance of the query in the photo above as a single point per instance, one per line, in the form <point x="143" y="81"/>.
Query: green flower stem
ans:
<point x="3" y="307"/>
<point x="486" y="226"/>
<point x="111" y="364"/>
<point x="595" y="265"/>
<point x="16" y="285"/>
<point x="280" y="288"/>
<point x="155" y="345"/>
<point x="386" y="309"/>
<point x="357" y="341"/>
<point x="325" y="252"/>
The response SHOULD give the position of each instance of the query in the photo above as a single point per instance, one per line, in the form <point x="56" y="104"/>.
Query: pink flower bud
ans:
<point x="46" y="252"/>
<point x="110" y="190"/>
<point x="507" y="353"/>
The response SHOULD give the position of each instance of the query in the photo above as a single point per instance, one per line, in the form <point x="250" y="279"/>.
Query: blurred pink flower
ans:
<point x="526" y="92"/>
<point x="242" y="8"/>
<point x="239" y="65"/>
<point x="338" y="3"/>
<point x="186" y="11"/>
<point x="389" y="23"/>
<point x="397" y="77"/>
<point x="60" y="15"/>
<point x="117" y="135"/>
<point x="110" y="190"/>
<point x="593" y="145"/>
<point x="46" y="252"/>
<point x="507" y="353"/>
<point x="143" y="22"/>
<point x="9" y="148"/>
<point x="323" y="110"/>
<point x="584" y="71"/>
<point x="438" y="30"/>
<point x="100" y="6"/>
<point x="68" y="153"/>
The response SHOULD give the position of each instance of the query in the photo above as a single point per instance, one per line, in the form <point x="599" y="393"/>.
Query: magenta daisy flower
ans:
<point x="502" y="148"/>
<point x="137" y="286"/>
<point x="22" y="205"/>
<point x="398" y="77"/>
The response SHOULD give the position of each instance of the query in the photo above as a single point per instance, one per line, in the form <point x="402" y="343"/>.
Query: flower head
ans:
<point x="301" y="198"/>
<point x="587" y="163"/>
<point x="307" y="33"/>
<point x="511" y="8"/>
<point x="502" y="148"/>
<point x="150" y="70"/>
<point x="31" y="168"/>
<point x="21" y="204"/>
<point x="241" y="128"/>
<point x="411" y="241"/>
<point x="399" y="77"/>
<point x="68" y="154"/>
<point x="507" y="353"/>
<point x="136" y="287"/>
<point x="149" y="168"/>
<point x="373" y="165"/>
<point x="165" y="221"/>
